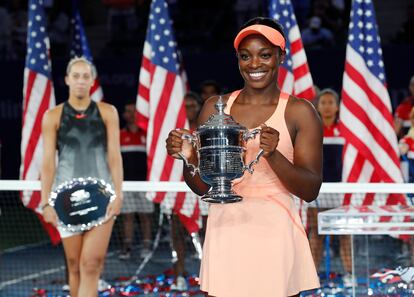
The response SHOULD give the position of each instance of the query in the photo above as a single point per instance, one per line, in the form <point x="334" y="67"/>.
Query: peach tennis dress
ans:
<point x="258" y="247"/>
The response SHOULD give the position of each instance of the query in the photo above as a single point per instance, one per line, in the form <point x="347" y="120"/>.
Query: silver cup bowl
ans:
<point x="220" y="144"/>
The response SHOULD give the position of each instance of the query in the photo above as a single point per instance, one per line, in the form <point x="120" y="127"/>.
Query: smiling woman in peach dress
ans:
<point x="258" y="247"/>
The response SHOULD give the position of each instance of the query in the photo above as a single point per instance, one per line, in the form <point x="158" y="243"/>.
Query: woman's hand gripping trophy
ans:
<point x="176" y="144"/>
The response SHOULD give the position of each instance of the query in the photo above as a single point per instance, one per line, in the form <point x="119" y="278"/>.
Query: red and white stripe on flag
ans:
<point x="38" y="97"/>
<point x="294" y="75"/>
<point x="371" y="148"/>
<point x="160" y="107"/>
<point x="96" y="92"/>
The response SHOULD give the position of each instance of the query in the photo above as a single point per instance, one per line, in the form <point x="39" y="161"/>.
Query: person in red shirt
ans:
<point x="402" y="121"/>
<point x="327" y="104"/>
<point x="135" y="169"/>
<point x="406" y="146"/>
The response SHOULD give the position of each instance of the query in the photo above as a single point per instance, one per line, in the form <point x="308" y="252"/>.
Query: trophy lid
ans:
<point x="220" y="120"/>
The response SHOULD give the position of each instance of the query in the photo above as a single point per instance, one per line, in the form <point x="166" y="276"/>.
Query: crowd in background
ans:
<point x="119" y="26"/>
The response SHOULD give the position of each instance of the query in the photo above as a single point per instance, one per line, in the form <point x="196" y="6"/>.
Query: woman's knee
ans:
<point x="73" y="265"/>
<point x="91" y="265"/>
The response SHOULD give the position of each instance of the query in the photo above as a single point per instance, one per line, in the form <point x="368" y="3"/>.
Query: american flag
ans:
<point x="80" y="48"/>
<point x="294" y="75"/>
<point x="371" y="149"/>
<point x="160" y="106"/>
<point x="38" y="97"/>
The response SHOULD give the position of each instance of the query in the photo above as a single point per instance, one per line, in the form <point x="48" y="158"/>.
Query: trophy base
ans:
<point x="221" y="198"/>
<point x="221" y="192"/>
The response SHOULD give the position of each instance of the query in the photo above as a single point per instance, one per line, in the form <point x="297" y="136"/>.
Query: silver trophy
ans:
<point x="81" y="203"/>
<point x="220" y="146"/>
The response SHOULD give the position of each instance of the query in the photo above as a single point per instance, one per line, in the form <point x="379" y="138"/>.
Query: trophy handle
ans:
<point x="247" y="136"/>
<point x="191" y="139"/>
<point x="249" y="167"/>
<point x="251" y="134"/>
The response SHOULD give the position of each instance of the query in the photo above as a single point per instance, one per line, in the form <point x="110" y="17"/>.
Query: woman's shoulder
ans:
<point x="54" y="112"/>
<point x="104" y="105"/>
<point x="297" y="102"/>
<point x="299" y="105"/>
<point x="299" y="109"/>
<point x="106" y="109"/>
<point x="51" y="117"/>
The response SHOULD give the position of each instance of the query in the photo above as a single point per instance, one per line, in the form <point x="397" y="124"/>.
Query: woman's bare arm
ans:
<point x="303" y="178"/>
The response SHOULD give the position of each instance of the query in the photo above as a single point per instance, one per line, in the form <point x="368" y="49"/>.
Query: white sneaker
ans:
<point x="179" y="285"/>
<point x="348" y="281"/>
<point x="103" y="285"/>
<point x="407" y="274"/>
<point x="65" y="288"/>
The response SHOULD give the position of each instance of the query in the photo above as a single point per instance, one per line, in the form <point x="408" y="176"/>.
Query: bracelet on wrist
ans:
<point x="44" y="206"/>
